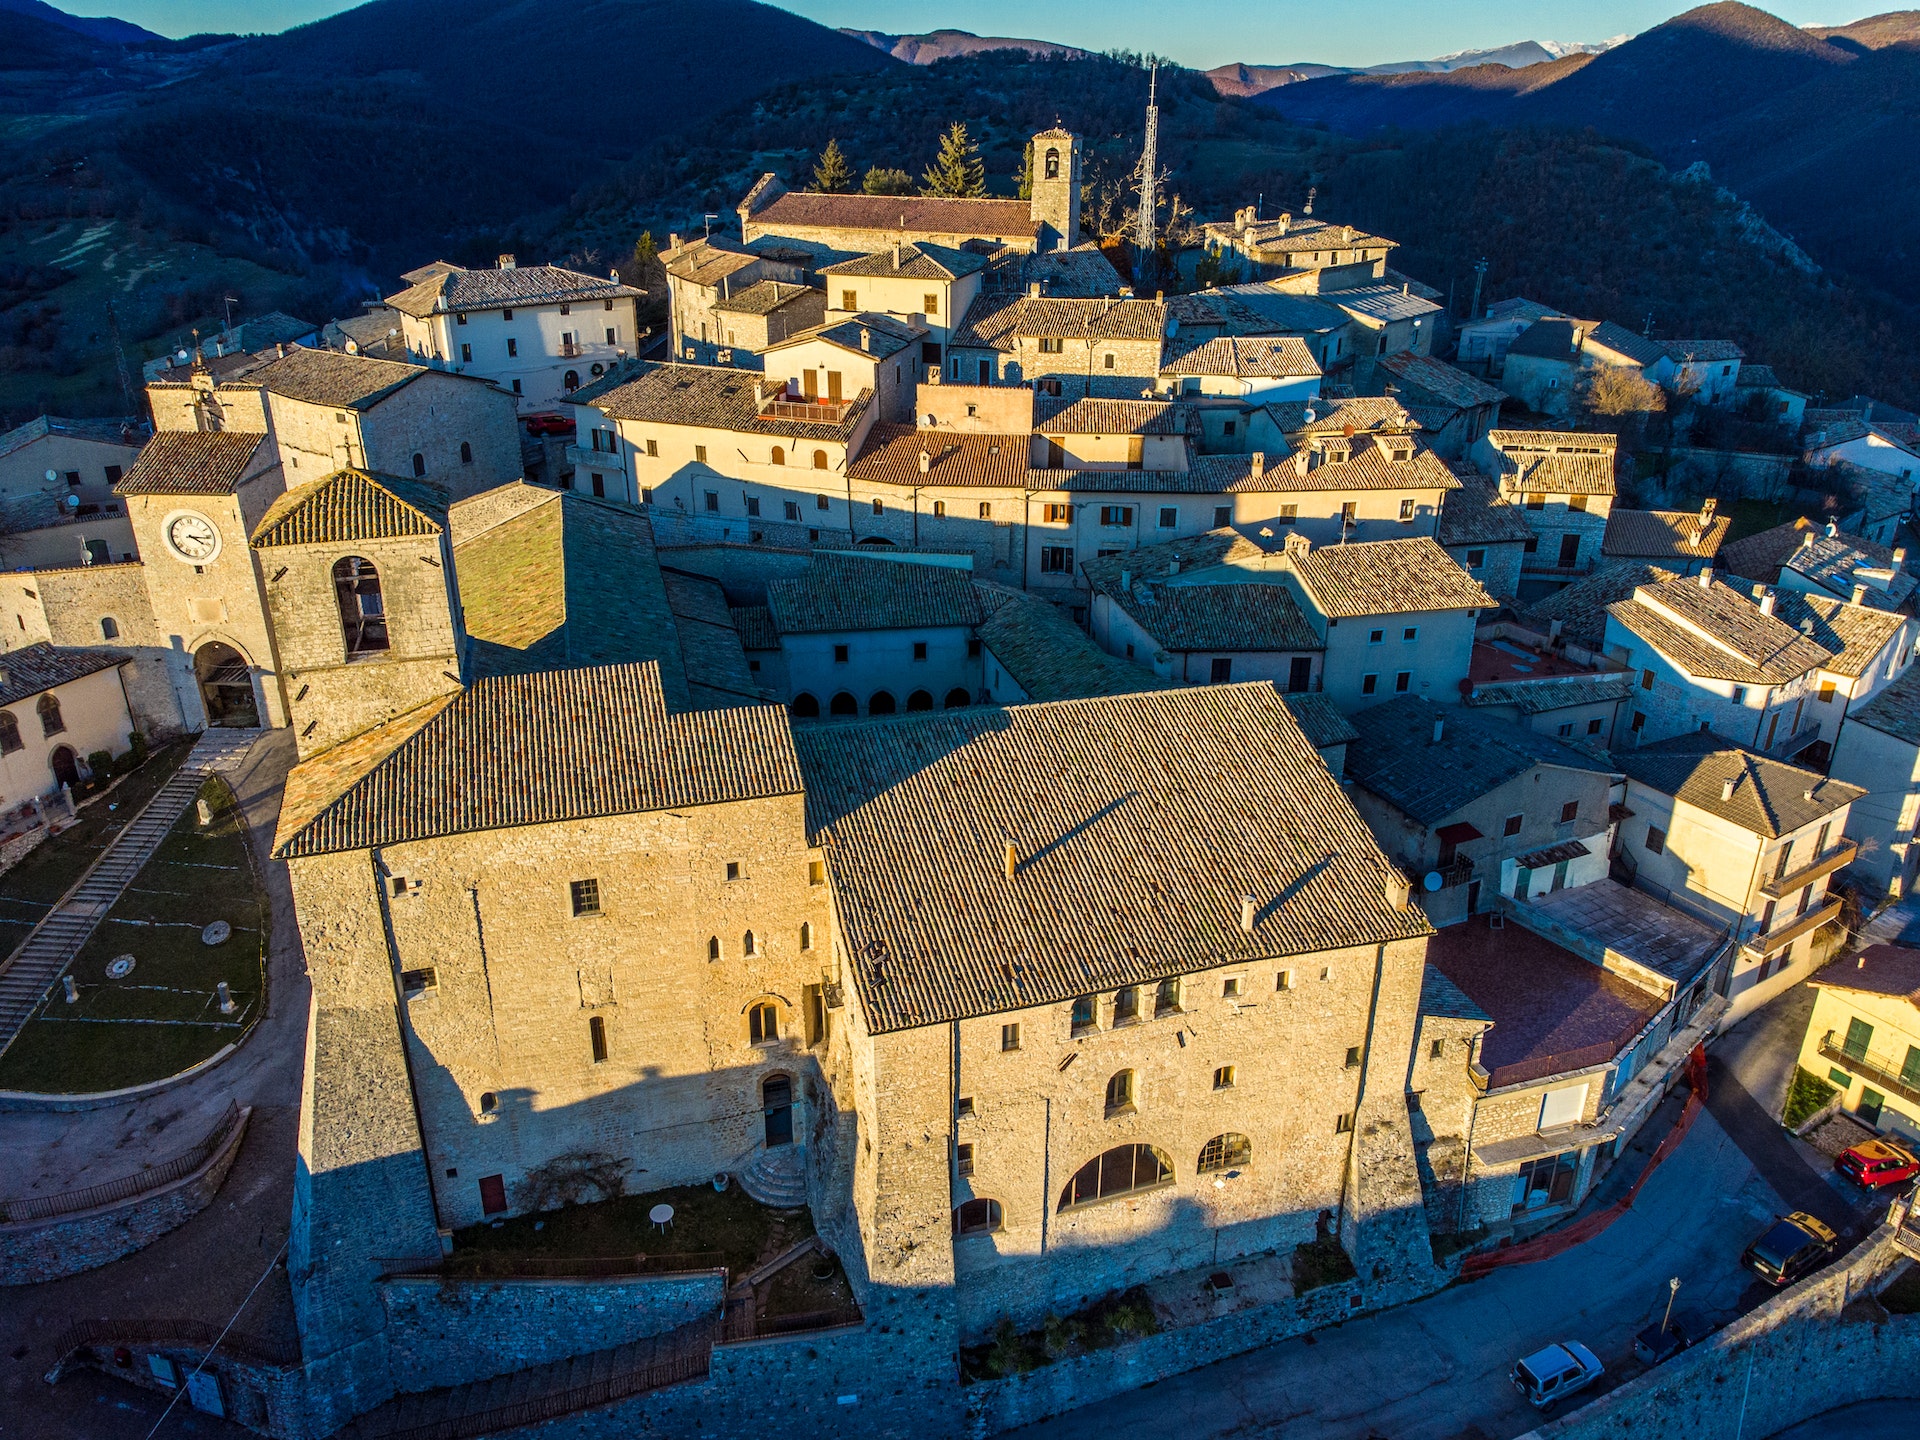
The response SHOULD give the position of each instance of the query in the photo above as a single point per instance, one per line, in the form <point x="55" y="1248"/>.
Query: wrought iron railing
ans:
<point x="487" y="1265"/>
<point x="46" y="1207"/>
<point x="176" y="1331"/>
<point x="1903" y="1080"/>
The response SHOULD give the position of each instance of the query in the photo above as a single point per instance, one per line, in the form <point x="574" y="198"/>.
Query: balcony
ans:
<point x="607" y="462"/>
<point x="1457" y="871"/>
<point x="1877" y="1070"/>
<point x="1761" y="946"/>
<point x="1825" y="863"/>
<point x="1791" y="746"/>
<point x="572" y="350"/>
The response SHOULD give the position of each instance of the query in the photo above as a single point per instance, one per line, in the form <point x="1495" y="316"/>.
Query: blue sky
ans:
<point x="1201" y="33"/>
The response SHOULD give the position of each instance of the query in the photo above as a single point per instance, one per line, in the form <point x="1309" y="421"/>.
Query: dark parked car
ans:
<point x="1794" y="1246"/>
<point x="550" y="423"/>
<point x="1877" y="1164"/>
<point x="1657" y="1343"/>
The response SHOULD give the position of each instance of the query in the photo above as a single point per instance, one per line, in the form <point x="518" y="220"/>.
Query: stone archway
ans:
<point x="66" y="765"/>
<point x="226" y="686"/>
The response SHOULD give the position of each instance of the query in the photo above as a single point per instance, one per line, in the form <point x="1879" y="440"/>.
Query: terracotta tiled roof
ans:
<point x="1856" y="634"/>
<point x="352" y="505"/>
<point x="1080" y="273"/>
<point x="1637" y="348"/>
<point x="1274" y="311"/>
<point x="1663" y="535"/>
<point x="868" y="333"/>
<point x="1443" y="999"/>
<point x="918" y="214"/>
<point x="1320" y="719"/>
<point x="460" y="289"/>
<point x="1067" y="415"/>
<point x="1266" y="357"/>
<point x="705" y="262"/>
<point x="28" y="671"/>
<point x="1445" y="383"/>
<point x="1760" y="556"/>
<point x="754" y="623"/>
<point x="1895" y="710"/>
<point x="1704" y="351"/>
<point x="1554" y="462"/>
<point x="104" y="432"/>
<point x="1476" y="515"/>
<point x="997" y="322"/>
<point x="194" y="462"/>
<point x="1324" y="416"/>
<point x="763" y="297"/>
<point x="1049" y="656"/>
<point x="1386" y="577"/>
<point x="1231" y="616"/>
<point x="1298" y="232"/>
<point x="1158" y="812"/>
<point x="1519" y="309"/>
<point x="1770" y="797"/>
<point x="1892" y="970"/>
<point x="1553" y="338"/>
<point x="1839" y="562"/>
<point x="333" y="377"/>
<point x="1385" y="303"/>
<point x="704" y="395"/>
<point x="717" y="669"/>
<point x="891" y="456"/>
<point x="839" y="592"/>
<point x="915" y="261"/>
<point x="1171" y="557"/>
<point x="559" y="745"/>
<point x="1744" y="647"/>
<point x="1581" y="608"/>
<point x="1369" y="466"/>
<point x="1539" y="697"/>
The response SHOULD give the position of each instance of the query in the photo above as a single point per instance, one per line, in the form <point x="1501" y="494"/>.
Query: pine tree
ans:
<point x="957" y="172"/>
<point x="833" y="174"/>
<point x="1025" y="173"/>
<point x="887" y="182"/>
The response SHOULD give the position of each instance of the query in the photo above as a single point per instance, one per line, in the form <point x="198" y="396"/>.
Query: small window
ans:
<point x="1646" y="680"/>
<point x="418" y="982"/>
<point x="466" y="351"/>
<point x="1166" y="997"/>
<point x="1596" y="725"/>
<point x="792" y="511"/>
<point x="1536" y="502"/>
<point x="1220" y="670"/>
<point x="963" y="1158"/>
<point x="1222" y="516"/>
<point x="1230" y="987"/>
<point x="1057" y="514"/>
<point x="1126" y="1004"/>
<point x="806" y="935"/>
<point x="1289" y="515"/>
<point x="1656" y="840"/>
<point x="1353" y="1057"/>
<point x="1576" y="502"/>
<point x="1739" y="694"/>
<point x="597" y="1036"/>
<point x="964" y="1107"/>
<point x="1514" y="822"/>
<point x="986" y="509"/>
<point x="753" y="504"/>
<point x="1437" y="1050"/>
<point x="566" y="309"/>
<point x="974" y="648"/>
<point x="1376" y="637"/>
<point x="763" y="1024"/>
<point x="489" y="1102"/>
<point x="840" y="654"/>
<point x="1010" y="1037"/>
<point x="1569" y="812"/>
<point x="820" y="502"/>
<point x="1410" y="634"/>
<point x="493" y="1194"/>
<point x="749" y="945"/>
<point x="1085" y="1010"/>
<point x="1402" y="682"/>
<point x="733" y="869"/>
<point x="1638" y="723"/>
<point x="513" y="348"/>
<point x="1109" y="365"/>
<point x="977" y="1217"/>
<point x="1369" y="684"/>
<point x="1406" y="510"/>
<point x="816" y="872"/>
<point x="1343" y="1124"/>
<point x="1224" y="1152"/>
<point x="1565" y="731"/>
<point x="1169" y="517"/>
<point x="1223" y="1078"/>
<point x="1476" y="559"/>
<point x="930" y="304"/>
<point x="939" y="509"/>
<point x="919" y="649"/>
<point x="109" y="628"/>
<point x="51" y="721"/>
<point x="713" y="947"/>
<point x="879" y="506"/>
<point x="713" y="500"/>
<point x="820" y="463"/>
<point x="586" y="897"/>
<point x="653" y="448"/>
<point x="1283" y="981"/>
<point x="1120" y="1092"/>
<point x="506" y="314"/>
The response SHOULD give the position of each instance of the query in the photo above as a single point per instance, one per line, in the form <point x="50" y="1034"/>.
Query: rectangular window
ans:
<point x="418" y="982"/>
<point x="1409" y="634"/>
<point x="613" y="336"/>
<point x="1051" y="345"/>
<point x="963" y="1158"/>
<point x="1349" y="511"/>
<point x="820" y="502"/>
<point x="1223" y="1078"/>
<point x="1010" y="1037"/>
<point x="1137" y="451"/>
<point x="1343" y="1124"/>
<point x="1596" y="725"/>
<point x="1437" y="1050"/>
<point x="839" y="654"/>
<point x="939" y="509"/>
<point x="1536" y="502"/>
<point x="1376" y="637"/>
<point x="699" y="454"/>
<point x="986" y="509"/>
<point x="1576" y="502"/>
<point x="713" y="501"/>
<point x="1826" y="692"/>
<point x="1646" y="680"/>
<point x="506" y="314"/>
<point x="1166" y="998"/>
<point x="733" y="869"/>
<point x="586" y="897"/>
<point x="792" y="510"/>
<point x="1126" y="1005"/>
<point x="1353" y="1057"/>
<point x="919" y="649"/>
<point x="460" y="318"/>
<point x="1116" y="515"/>
<point x="930" y="304"/>
<point x="1565" y="731"/>
<point x="1514" y="824"/>
<point x="849" y="300"/>
<point x="1222" y="516"/>
<point x="1569" y="812"/>
<point x="1058" y="514"/>
<point x="1639" y="722"/>
<point x="466" y="354"/>
<point x="1569" y="551"/>
<point x="1084" y="1014"/>
<point x="597" y="1034"/>
<point x="1056" y="560"/>
<point x="493" y="1194"/>
<point x="1403" y="682"/>
<point x="753" y="504"/>
<point x="964" y="1107"/>
<point x="513" y="348"/>
<point x="1656" y="840"/>
<point x="1230" y="987"/>
<point x="1221" y="670"/>
<point x="653" y="448"/>
<point x="1169" y="518"/>
<point x="1406" y="510"/>
<point x="1476" y="559"/>
<point x="1369" y="684"/>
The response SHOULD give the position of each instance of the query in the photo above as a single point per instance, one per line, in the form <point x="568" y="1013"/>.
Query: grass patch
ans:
<point x="47" y="872"/>
<point x="1454" y="1241"/>
<point x="796" y="1290"/>
<point x="1750" y="517"/>
<point x="732" y="1223"/>
<point x="1320" y="1262"/>
<point x="164" y="1016"/>
<point x="1806" y="1096"/>
<point x="1902" y="1297"/>
<point x="1111" y="1320"/>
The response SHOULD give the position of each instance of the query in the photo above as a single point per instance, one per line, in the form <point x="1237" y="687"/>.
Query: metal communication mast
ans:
<point x="1143" y="241"/>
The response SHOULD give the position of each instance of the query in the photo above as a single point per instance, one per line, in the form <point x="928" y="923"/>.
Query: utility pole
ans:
<point x="1149" y="165"/>
<point x="120" y="362"/>
<point x="1479" y="275"/>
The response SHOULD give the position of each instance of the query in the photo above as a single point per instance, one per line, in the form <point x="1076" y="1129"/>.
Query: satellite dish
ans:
<point x="1433" y="882"/>
<point x="73" y="502"/>
<point x="52" y="475"/>
<point x="181" y="356"/>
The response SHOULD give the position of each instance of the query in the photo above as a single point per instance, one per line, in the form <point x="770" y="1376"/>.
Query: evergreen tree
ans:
<point x="1024" y="175"/>
<point x="833" y="174"/>
<point x="887" y="182"/>
<point x="957" y="172"/>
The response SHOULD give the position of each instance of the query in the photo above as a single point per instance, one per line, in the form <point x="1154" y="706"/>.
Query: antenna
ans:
<point x="1149" y="165"/>
<point x="710" y="217"/>
<point x="227" y="303"/>
<point x="1479" y="274"/>
<point x="1312" y="190"/>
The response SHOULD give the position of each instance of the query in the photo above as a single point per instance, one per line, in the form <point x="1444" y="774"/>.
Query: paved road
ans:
<point x="204" y="1269"/>
<point x="1869" y="1420"/>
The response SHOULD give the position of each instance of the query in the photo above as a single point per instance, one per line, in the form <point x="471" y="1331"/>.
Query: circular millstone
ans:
<point x="216" y="933"/>
<point x="120" y="967"/>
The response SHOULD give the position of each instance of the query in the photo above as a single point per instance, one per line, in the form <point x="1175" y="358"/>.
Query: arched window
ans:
<point x="1120" y="1091"/>
<point x="806" y="934"/>
<point x="109" y="628"/>
<point x="363" y="616"/>
<point x="10" y="740"/>
<point x="51" y="722"/>
<point x="419" y="465"/>
<point x="920" y="700"/>
<point x="977" y="1217"/>
<point x="1121" y="1171"/>
<point x="881" y="703"/>
<point x="957" y="697"/>
<point x="713" y="947"/>
<point x="466" y="452"/>
<point x="819" y="459"/>
<point x="779" y="455"/>
<point x="763" y="1023"/>
<point x="805" y="706"/>
<point x="571" y="380"/>
<point x="1053" y="163"/>
<point x="748" y="946"/>
<point x="843" y="704"/>
<point x="1223" y="1152"/>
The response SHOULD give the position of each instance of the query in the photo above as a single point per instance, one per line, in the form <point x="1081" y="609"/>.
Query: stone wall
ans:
<point x="451" y="1332"/>
<point x="1813" y="1348"/>
<point x="71" y="607"/>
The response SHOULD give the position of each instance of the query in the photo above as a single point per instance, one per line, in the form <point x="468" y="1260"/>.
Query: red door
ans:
<point x="493" y="1194"/>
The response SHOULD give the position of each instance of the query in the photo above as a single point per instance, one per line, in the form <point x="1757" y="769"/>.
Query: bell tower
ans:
<point x="1055" y="189"/>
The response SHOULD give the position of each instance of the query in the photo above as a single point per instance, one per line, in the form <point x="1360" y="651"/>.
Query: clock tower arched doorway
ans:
<point x="226" y="686"/>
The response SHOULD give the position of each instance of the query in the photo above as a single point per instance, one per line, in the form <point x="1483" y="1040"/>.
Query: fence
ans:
<point x="481" y="1265"/>
<point x="46" y="1207"/>
<point x="741" y="1323"/>
<point x="166" y="1330"/>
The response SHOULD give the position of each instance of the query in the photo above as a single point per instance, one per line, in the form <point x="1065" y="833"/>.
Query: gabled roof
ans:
<point x="1274" y="311"/>
<point x="333" y="377"/>
<point x="703" y="395"/>
<point x="1386" y="577"/>
<point x="455" y="288"/>
<point x="103" y="432"/>
<point x="1739" y="643"/>
<point x="1760" y="556"/>
<point x="1385" y="303"/>
<point x="1554" y="462"/>
<point x="1158" y="812"/>
<point x="1170" y="558"/>
<point x="1856" y="634"/>
<point x="1444" y="1000"/>
<point x="917" y="214"/>
<point x="706" y="262"/>
<point x="1518" y="309"/>
<point x="911" y="261"/>
<point x="542" y="748"/>
<point x="1541" y="697"/>
<point x="1622" y="341"/>
<point x="1259" y="357"/>
<point x="1581" y="608"/>
<point x="1676" y="535"/>
<point x="32" y="669"/>
<point x="1298" y="232"/>
<point x="1895" y="710"/>
<point x="891" y="456"/>
<point x="1233" y="615"/>
<point x="1837" y="563"/>
<point x="1441" y="382"/>
<point x="997" y="322"/>
<point x="870" y="334"/>
<point x="1890" y="970"/>
<point x="1067" y="415"/>
<point x="1397" y="758"/>
<point x="352" y="505"/>
<point x="1552" y="338"/>
<point x="1703" y="351"/>
<point x="1320" y="719"/>
<point x="842" y="592"/>
<point x="1050" y="657"/>
<point x="763" y="297"/>
<point x="1476" y="515"/>
<point x="754" y="625"/>
<point x="1323" y="415"/>
<point x="195" y="462"/>
<point x="1080" y="273"/>
<point x="1770" y="797"/>
<point x="1369" y="466"/>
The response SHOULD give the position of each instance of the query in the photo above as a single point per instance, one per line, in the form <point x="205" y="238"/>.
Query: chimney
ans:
<point x="1553" y="630"/>
<point x="1706" y="578"/>
<point x="1298" y="544"/>
<point x="1033" y="290"/>
<point x="926" y="462"/>
<point x="1248" y="908"/>
<point x="1173" y="566"/>
<point x="1833" y="530"/>
<point x="1301" y="461"/>
<point x="1397" y="893"/>
<point x="673" y="240"/>
<point x="280" y="349"/>
<point x="896" y="254"/>
<point x="1806" y="539"/>
<point x="1807" y="794"/>
<point x="1258" y="467"/>
<point x="1126" y="580"/>
<point x="1707" y="507"/>
<point x="1726" y="788"/>
<point x="1859" y="595"/>
<point x="1346" y="234"/>
<point x="507" y="262"/>
<point x="1439" y="730"/>
<point x="1899" y="557"/>
<point x="1012" y="860"/>
<point x="1286" y="222"/>
<point x="866" y="338"/>
<point x="1768" y="598"/>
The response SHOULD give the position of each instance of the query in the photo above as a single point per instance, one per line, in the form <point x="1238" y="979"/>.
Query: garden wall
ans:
<point x="450" y="1332"/>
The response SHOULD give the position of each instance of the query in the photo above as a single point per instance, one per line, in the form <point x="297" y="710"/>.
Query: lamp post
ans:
<point x="1673" y="1289"/>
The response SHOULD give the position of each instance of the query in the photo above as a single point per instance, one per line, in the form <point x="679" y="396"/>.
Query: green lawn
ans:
<point x="29" y="889"/>
<point x="164" y="1016"/>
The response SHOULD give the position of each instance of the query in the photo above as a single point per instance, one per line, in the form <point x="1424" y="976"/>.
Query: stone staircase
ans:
<point x="542" y="1392"/>
<point x="777" y="1178"/>
<point x="45" y="954"/>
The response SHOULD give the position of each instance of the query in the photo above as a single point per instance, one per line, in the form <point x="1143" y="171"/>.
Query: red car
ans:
<point x="1876" y="1164"/>
<point x="549" y="423"/>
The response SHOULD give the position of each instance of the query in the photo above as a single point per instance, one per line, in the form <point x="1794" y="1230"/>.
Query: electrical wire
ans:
<point x="216" y="1344"/>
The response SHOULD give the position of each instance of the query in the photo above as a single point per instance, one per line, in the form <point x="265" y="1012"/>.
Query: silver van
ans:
<point x="1550" y="1375"/>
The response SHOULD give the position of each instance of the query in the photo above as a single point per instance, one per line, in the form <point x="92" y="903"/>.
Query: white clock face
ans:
<point x="192" y="537"/>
